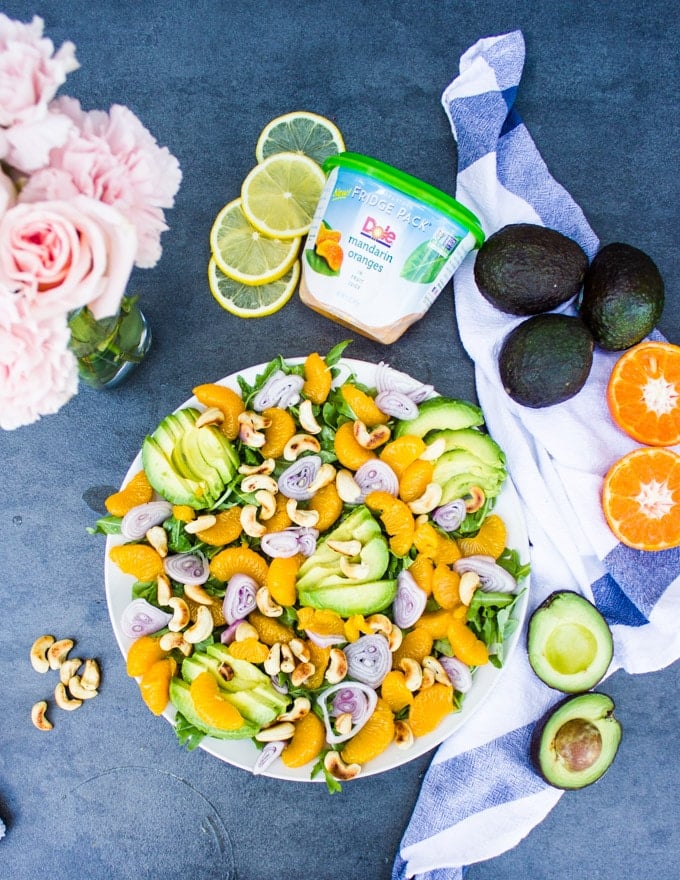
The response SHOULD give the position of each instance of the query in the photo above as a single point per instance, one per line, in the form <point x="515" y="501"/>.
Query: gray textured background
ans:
<point x="108" y="794"/>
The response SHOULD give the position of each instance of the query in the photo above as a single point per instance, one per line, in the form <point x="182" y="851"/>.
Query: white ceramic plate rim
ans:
<point x="243" y="753"/>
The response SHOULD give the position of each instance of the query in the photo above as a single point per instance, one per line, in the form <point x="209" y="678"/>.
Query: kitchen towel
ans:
<point x="480" y="795"/>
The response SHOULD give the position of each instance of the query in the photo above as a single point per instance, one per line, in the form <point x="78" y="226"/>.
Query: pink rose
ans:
<point x="30" y="75"/>
<point x="59" y="256"/>
<point x="112" y="157"/>
<point x="38" y="372"/>
<point x="8" y="193"/>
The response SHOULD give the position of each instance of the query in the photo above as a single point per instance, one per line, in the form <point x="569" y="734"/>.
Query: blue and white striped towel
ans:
<point x="480" y="796"/>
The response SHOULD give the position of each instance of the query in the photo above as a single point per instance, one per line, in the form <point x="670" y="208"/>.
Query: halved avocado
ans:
<point x="569" y="643"/>
<point x="577" y="741"/>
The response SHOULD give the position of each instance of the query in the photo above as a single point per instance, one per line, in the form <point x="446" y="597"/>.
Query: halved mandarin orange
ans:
<point x="143" y="653"/>
<point x="318" y="378"/>
<point x="225" y="399"/>
<point x="465" y="644"/>
<point x="415" y="645"/>
<point x="397" y="519"/>
<point x="394" y="691"/>
<point x="414" y="479"/>
<point x="641" y="499"/>
<point x="250" y="649"/>
<point x="280" y="520"/>
<point x="136" y="491"/>
<point x="211" y="705"/>
<point x="270" y="629"/>
<point x="644" y="393"/>
<point x="319" y="657"/>
<point x="281" y="578"/>
<point x="239" y="560"/>
<point x="445" y="587"/>
<point x="422" y="569"/>
<point x="328" y="504"/>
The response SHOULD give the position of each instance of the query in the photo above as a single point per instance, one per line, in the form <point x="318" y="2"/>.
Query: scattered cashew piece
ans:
<point x="58" y="652"/>
<point x="62" y="699"/>
<point x="39" y="715"/>
<point x="38" y="653"/>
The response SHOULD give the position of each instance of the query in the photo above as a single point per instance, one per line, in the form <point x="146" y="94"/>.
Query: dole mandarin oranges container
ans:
<point x="381" y="246"/>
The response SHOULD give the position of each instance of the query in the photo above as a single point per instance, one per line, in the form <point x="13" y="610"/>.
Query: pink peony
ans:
<point x="30" y="74"/>
<point x="38" y="372"/>
<point x="8" y="193"/>
<point x="112" y="157"/>
<point x="58" y="256"/>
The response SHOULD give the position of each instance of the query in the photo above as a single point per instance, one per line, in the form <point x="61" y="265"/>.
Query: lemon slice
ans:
<point x="246" y="255"/>
<point x="300" y="132"/>
<point x="247" y="301"/>
<point x="280" y="194"/>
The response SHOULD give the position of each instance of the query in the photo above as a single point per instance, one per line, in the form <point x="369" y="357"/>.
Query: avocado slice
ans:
<point x="458" y="470"/>
<point x="440" y="413"/>
<point x="576" y="742"/>
<point x="188" y="450"/>
<point x="374" y="555"/>
<point x="180" y="697"/>
<point x="218" y="451"/>
<point x="569" y="642"/>
<point x="165" y="479"/>
<point x="351" y="598"/>
<point x="546" y="359"/>
<point x="525" y="269"/>
<point x="623" y="296"/>
<point x="475" y="441"/>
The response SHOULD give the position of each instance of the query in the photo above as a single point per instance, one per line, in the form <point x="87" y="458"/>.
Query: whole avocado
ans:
<point x="525" y="269"/>
<point x="546" y="359"/>
<point x="623" y="296"/>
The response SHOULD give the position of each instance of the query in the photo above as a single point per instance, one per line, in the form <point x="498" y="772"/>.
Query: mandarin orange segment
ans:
<point x="319" y="657"/>
<point x="373" y="738"/>
<point x="278" y="432"/>
<point x="394" y="691"/>
<point x="155" y="684"/>
<point x="430" y="707"/>
<point x="328" y="504"/>
<point x="225" y="399"/>
<point x="239" y="560"/>
<point x="415" y="645"/>
<point x="326" y="234"/>
<point x="280" y="519"/>
<point x="436" y="623"/>
<point x="402" y="452"/>
<point x="415" y="479"/>
<point x="641" y="499"/>
<point x="426" y="539"/>
<point x="490" y="540"/>
<point x="307" y="741"/>
<point x="281" y="578"/>
<point x="322" y="621"/>
<point x="643" y="393"/>
<point x="227" y="529"/>
<point x="465" y="644"/>
<point x="349" y="451"/>
<point x="396" y="518"/>
<point x="250" y="649"/>
<point x="318" y="378"/>
<point x="447" y="550"/>
<point x="270" y="629"/>
<point x="362" y="405"/>
<point x="136" y="491"/>
<point x="183" y="512"/>
<point x="142" y="654"/>
<point x="211" y="705"/>
<point x="332" y="253"/>
<point x="139" y="560"/>
<point x="445" y="587"/>
<point x="422" y="569"/>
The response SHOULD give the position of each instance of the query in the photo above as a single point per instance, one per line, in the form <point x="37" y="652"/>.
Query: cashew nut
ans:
<point x="276" y="732"/>
<point x="254" y="419"/>
<point x="58" y="652"/>
<point x="163" y="589"/>
<point x="172" y="641"/>
<point x="356" y="570"/>
<point x="90" y="677"/>
<point x="433" y="450"/>
<point x="180" y="617"/>
<point x="298" y="444"/>
<point x="254" y="482"/>
<point x="301" y="673"/>
<point x="250" y="523"/>
<point x="343" y="723"/>
<point x="39" y="716"/>
<point x="324" y="476"/>
<point x="197" y="593"/>
<point x="266" y="604"/>
<point x="77" y="690"/>
<point x="300" y="649"/>
<point x="38" y="653"/>
<point x="272" y="665"/>
<point x="267" y="503"/>
<point x="307" y="518"/>
<point x="433" y="665"/>
<point x="403" y="735"/>
<point x="474" y="499"/>
<point x="211" y="416"/>
<point x="68" y="669"/>
<point x="337" y="767"/>
<point x="395" y="638"/>
<point x="428" y="500"/>
<point x="158" y="538"/>
<point x="301" y="707"/>
<point x="413" y="673"/>
<point x="202" y="628"/>
<point x="469" y="582"/>
<point x="200" y="523"/>
<point x="337" y="666"/>
<point x="265" y="467"/>
<point x="345" y="548"/>
<point x="245" y="631"/>
<point x="62" y="699"/>
<point x="249" y="436"/>
<point x="370" y="439"/>
<point x="380" y="623"/>
<point x="307" y="419"/>
<point x="287" y="658"/>
<point x="347" y="487"/>
<point x="427" y="680"/>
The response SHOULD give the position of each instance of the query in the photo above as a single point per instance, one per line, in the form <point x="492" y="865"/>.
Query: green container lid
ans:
<point x="410" y="186"/>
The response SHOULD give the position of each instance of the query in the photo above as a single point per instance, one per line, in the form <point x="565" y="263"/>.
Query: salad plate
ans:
<point x="243" y="753"/>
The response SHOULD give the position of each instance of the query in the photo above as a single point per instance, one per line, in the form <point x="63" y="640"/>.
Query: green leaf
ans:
<point x="106" y="525"/>
<point x="187" y="734"/>
<point x="332" y="783"/>
<point x="336" y="352"/>
<point x="318" y="264"/>
<point x="423" y="265"/>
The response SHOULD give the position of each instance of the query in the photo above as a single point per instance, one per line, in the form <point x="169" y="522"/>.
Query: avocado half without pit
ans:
<point x="569" y="643"/>
<point x="577" y="741"/>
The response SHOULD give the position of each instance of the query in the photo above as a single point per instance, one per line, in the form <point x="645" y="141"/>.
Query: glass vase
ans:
<point x="109" y="349"/>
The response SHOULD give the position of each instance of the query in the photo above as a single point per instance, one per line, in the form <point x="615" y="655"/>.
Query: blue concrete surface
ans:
<point x="108" y="794"/>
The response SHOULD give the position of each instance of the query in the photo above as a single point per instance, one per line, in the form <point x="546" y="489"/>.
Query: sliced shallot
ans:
<point x="396" y="404"/>
<point x="389" y="379"/>
<point x="410" y="601"/>
<point x="458" y="672"/>
<point x="358" y="699"/>
<point x="141" y="618"/>
<point x="449" y="516"/>
<point x="295" y="481"/>
<point x="492" y="577"/>
<point x="239" y="600"/>
<point x="281" y="389"/>
<point x="290" y="542"/>
<point x="369" y="659"/>
<point x="137" y="522"/>
<point x="268" y="755"/>
<point x="376" y="476"/>
<point x="187" y="568"/>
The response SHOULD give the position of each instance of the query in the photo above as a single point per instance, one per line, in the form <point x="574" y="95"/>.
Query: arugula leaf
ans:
<point x="336" y="352"/>
<point x="510" y="561"/>
<point x="106" y="525"/>
<point x="187" y="734"/>
<point x="332" y="784"/>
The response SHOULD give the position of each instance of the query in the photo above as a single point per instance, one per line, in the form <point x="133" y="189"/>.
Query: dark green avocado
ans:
<point x="569" y="643"/>
<point x="576" y="742"/>
<point x="525" y="269"/>
<point x="546" y="359"/>
<point x="623" y="296"/>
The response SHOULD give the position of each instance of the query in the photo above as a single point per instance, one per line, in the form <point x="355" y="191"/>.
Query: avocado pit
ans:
<point x="578" y="744"/>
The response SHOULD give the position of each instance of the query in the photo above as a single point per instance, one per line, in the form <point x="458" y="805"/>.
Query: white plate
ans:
<point x="242" y="753"/>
